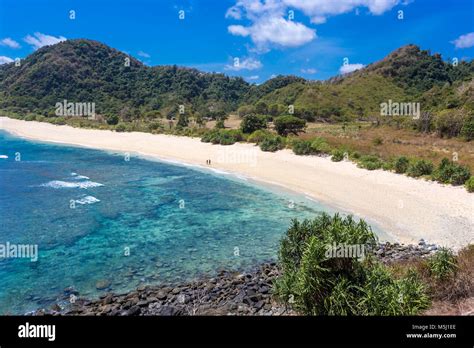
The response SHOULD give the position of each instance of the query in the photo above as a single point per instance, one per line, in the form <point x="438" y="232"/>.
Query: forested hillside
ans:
<point x="125" y="89"/>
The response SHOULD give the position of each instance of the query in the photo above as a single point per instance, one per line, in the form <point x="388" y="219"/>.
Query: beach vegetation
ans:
<point x="449" y="172"/>
<point x="337" y="155"/>
<point x="112" y="119"/>
<point x="470" y="184"/>
<point x="419" y="167"/>
<point x="285" y="125"/>
<point x="401" y="164"/>
<point x="317" y="282"/>
<point x="258" y="136"/>
<point x="251" y="123"/>
<point x="272" y="143"/>
<point x="370" y="162"/>
<point x="222" y="136"/>
<point x="442" y="265"/>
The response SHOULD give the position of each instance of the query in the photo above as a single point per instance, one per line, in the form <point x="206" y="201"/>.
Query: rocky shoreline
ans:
<point x="228" y="293"/>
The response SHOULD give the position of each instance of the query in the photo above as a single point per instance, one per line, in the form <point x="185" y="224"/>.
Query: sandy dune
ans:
<point x="407" y="209"/>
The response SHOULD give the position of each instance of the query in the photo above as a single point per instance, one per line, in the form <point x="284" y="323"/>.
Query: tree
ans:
<point x="275" y="109"/>
<point x="261" y="108"/>
<point x="219" y="124"/>
<point x="182" y="121"/>
<point x="126" y="113"/>
<point x="251" y="123"/>
<point x="112" y="119"/>
<point x="467" y="129"/>
<point x="199" y="119"/>
<point x="285" y="125"/>
<point x="245" y="110"/>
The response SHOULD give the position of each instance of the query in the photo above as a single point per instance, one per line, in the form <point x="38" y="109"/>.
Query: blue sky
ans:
<point x="254" y="39"/>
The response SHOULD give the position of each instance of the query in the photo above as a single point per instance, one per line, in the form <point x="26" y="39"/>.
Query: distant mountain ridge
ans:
<point x="83" y="70"/>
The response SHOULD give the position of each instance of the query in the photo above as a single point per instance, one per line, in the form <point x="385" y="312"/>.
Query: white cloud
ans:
<point x="5" y="60"/>
<point x="269" y="24"/>
<point x="279" y="31"/>
<point x="348" y="68"/>
<point x="464" y="41"/>
<point x="238" y="30"/>
<point x="233" y="12"/>
<point x="319" y="10"/>
<point x="309" y="71"/>
<point x="10" y="43"/>
<point x="244" y="64"/>
<point x="143" y="54"/>
<point x="254" y="77"/>
<point x="39" y="40"/>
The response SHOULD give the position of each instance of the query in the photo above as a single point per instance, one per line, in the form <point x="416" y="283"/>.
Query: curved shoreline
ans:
<point x="405" y="208"/>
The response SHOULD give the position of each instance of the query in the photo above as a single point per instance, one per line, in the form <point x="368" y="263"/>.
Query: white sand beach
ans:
<point x="405" y="208"/>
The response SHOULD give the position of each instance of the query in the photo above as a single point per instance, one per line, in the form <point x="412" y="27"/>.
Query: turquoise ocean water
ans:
<point x="99" y="218"/>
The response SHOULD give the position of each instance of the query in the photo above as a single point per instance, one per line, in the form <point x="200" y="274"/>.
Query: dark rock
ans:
<point x="161" y="295"/>
<point x="55" y="307"/>
<point x="169" y="311"/>
<point x="135" y="310"/>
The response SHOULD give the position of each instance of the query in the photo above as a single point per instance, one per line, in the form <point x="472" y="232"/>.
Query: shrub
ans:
<point x="222" y="136"/>
<point x="401" y="164"/>
<point x="316" y="282"/>
<point x="370" y="162"/>
<point x="183" y="121"/>
<point x="419" y="168"/>
<point x="337" y="155"/>
<point x="258" y="136"/>
<point x="30" y="117"/>
<point x="285" y="125"/>
<point x="382" y="294"/>
<point x="302" y="147"/>
<point x="251" y="123"/>
<point x="319" y="145"/>
<point x="272" y="143"/>
<point x="153" y="126"/>
<point x="451" y="173"/>
<point x="112" y="119"/>
<point x="58" y="121"/>
<point x="229" y="137"/>
<point x="470" y="184"/>
<point x="219" y="124"/>
<point x="443" y="264"/>
<point x="449" y="122"/>
<point x="209" y="136"/>
<point x="389" y="165"/>
<point x="355" y="155"/>
<point x="467" y="130"/>
<point x="121" y="127"/>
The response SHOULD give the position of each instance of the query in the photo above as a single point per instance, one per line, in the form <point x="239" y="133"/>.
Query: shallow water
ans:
<point x="97" y="217"/>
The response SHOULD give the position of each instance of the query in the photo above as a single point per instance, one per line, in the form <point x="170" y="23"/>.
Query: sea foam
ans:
<point x="87" y="200"/>
<point x="79" y="177"/>
<point x="57" y="184"/>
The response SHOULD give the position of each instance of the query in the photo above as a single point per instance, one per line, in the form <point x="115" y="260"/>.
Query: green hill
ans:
<point x="406" y="75"/>
<point x="89" y="71"/>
